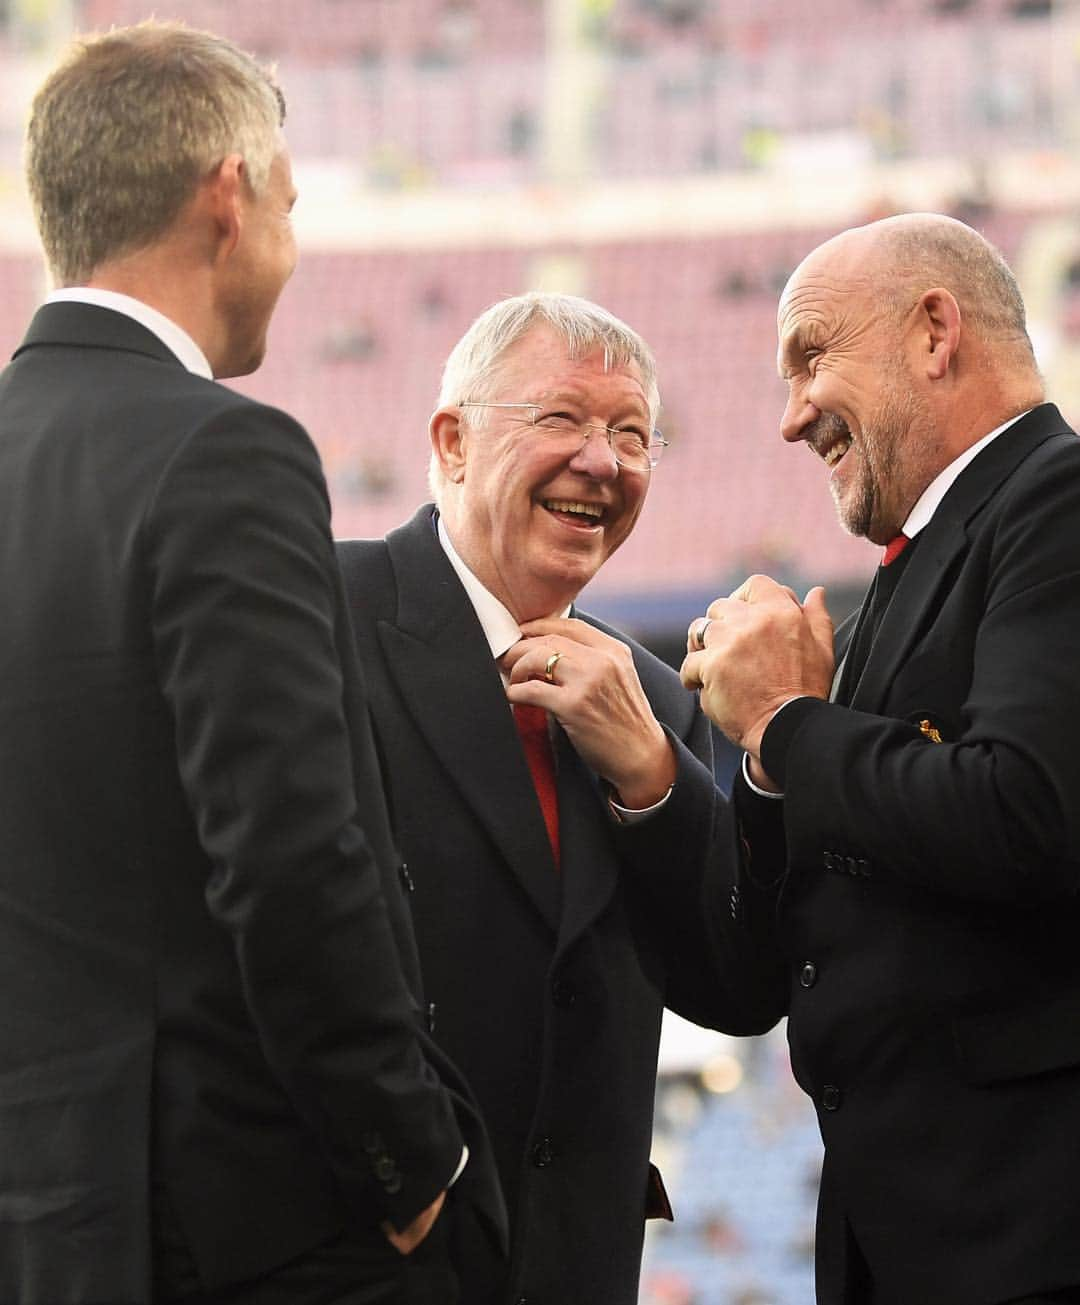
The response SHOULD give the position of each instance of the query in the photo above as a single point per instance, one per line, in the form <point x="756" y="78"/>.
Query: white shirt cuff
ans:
<point x="461" y="1167"/>
<point x="628" y="816"/>
<point x="761" y="792"/>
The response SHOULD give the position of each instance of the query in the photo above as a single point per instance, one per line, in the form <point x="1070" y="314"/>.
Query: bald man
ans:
<point x="923" y="771"/>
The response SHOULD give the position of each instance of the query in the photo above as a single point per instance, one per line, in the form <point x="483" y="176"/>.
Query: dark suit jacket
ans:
<point x="204" y="953"/>
<point x="547" y="987"/>
<point x="929" y="917"/>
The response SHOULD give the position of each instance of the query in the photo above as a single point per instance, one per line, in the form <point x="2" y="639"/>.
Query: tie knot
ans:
<point x="894" y="548"/>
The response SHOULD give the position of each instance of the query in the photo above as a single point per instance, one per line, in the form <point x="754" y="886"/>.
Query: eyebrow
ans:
<point x="577" y="400"/>
<point x="792" y="345"/>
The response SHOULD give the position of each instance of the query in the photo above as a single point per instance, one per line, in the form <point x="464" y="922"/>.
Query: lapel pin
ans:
<point x="931" y="732"/>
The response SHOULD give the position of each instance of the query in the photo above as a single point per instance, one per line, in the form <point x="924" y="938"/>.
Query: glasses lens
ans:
<point x="631" y="452"/>
<point x="630" y="449"/>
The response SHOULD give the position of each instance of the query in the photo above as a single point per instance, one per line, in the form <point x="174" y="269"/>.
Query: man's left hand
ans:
<point x="593" y="690"/>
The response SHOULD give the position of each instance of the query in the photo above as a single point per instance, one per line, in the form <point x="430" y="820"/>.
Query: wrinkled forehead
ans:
<point x="831" y="285"/>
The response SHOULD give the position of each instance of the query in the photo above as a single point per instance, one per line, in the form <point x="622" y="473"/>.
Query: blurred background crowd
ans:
<point x="672" y="160"/>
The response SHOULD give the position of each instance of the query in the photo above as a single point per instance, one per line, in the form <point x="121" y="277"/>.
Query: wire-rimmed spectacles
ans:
<point x="634" y="447"/>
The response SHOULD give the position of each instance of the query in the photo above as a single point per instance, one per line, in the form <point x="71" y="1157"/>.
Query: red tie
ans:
<point x="532" y="725"/>
<point x="894" y="548"/>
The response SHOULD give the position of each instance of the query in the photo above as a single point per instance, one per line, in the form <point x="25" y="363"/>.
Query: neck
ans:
<point x="165" y="276"/>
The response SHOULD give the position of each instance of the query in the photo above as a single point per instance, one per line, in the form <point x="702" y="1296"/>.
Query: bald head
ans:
<point x="898" y="258"/>
<point x="903" y="342"/>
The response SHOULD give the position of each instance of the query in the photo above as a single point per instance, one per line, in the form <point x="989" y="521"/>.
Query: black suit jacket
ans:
<point x="929" y="915"/>
<point x="204" y="953"/>
<point x="547" y="987"/>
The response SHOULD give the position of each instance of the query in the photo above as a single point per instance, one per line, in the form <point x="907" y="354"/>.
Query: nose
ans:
<point x="595" y="457"/>
<point x="799" y="413"/>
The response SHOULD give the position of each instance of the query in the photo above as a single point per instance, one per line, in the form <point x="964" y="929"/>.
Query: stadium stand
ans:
<point x="744" y="1178"/>
<point x="439" y="98"/>
<point x="453" y="91"/>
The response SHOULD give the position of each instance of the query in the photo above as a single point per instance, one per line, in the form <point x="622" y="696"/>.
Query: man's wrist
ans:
<point x="633" y="815"/>
<point x="777" y="737"/>
<point x="758" y="783"/>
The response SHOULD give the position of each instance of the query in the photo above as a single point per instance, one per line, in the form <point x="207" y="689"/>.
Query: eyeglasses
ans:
<point x="632" y="447"/>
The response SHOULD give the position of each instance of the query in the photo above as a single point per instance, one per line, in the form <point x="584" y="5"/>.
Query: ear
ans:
<point x="449" y="442"/>
<point x="226" y="191"/>
<point x="939" y="331"/>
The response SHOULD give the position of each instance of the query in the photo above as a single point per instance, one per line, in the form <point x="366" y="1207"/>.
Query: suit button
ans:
<point x="384" y="1169"/>
<point x="808" y="974"/>
<point x="830" y="1097"/>
<point x="543" y="1153"/>
<point x="431" y="1011"/>
<point x="392" y="1185"/>
<point x="372" y="1143"/>
<point x="562" y="994"/>
<point x="406" y="878"/>
<point x="827" y="859"/>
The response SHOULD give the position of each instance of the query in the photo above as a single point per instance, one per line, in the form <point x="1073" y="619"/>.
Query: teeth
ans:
<point x="833" y="455"/>
<point x="578" y="509"/>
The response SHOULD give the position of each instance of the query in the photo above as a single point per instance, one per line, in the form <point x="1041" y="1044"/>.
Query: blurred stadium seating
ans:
<point x="711" y="144"/>
<point x="743" y="1165"/>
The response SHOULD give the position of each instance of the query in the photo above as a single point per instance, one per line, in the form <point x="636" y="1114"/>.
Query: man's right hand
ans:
<point x="410" y="1238"/>
<point x="762" y="647"/>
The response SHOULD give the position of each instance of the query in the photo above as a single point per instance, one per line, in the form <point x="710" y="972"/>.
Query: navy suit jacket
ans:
<point x="546" y="987"/>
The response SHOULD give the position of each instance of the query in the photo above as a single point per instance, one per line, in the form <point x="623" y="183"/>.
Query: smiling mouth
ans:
<point x="581" y="514"/>
<point x="835" y="452"/>
<point x="830" y="439"/>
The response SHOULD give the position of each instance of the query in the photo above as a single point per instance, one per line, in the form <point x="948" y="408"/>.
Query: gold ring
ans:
<point x="699" y="634"/>
<point x="549" y="667"/>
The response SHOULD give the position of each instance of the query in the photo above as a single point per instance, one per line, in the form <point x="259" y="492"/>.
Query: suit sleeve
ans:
<point x="242" y="588"/>
<point x="688" y="869"/>
<point x="992" y="813"/>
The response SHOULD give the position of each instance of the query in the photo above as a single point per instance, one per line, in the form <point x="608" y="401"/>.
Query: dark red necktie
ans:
<point x="894" y="548"/>
<point x="532" y="725"/>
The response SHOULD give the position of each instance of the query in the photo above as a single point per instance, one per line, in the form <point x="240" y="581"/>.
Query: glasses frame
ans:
<point x="656" y="440"/>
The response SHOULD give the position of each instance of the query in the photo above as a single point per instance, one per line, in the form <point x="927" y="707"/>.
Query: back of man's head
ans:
<point x="123" y="130"/>
<point x="920" y="250"/>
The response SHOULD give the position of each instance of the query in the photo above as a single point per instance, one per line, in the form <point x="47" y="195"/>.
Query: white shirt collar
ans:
<point x="930" y="499"/>
<point x="500" y="629"/>
<point x="173" y="337"/>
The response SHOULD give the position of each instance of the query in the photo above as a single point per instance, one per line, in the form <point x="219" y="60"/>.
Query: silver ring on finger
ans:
<point x="699" y="634"/>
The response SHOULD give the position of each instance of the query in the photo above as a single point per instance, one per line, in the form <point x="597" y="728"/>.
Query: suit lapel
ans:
<point x="916" y="595"/>
<point x="842" y="640"/>
<point x="944" y="540"/>
<point x="436" y="651"/>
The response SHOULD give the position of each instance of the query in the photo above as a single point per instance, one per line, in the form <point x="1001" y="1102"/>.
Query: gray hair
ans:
<point x="123" y="130"/>
<point x="474" y="361"/>
<point x="925" y="250"/>
<point x="471" y="370"/>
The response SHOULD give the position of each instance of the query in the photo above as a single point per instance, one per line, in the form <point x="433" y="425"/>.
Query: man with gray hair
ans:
<point x="213" y="1082"/>
<point x="550" y="785"/>
<point x="925" y="916"/>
